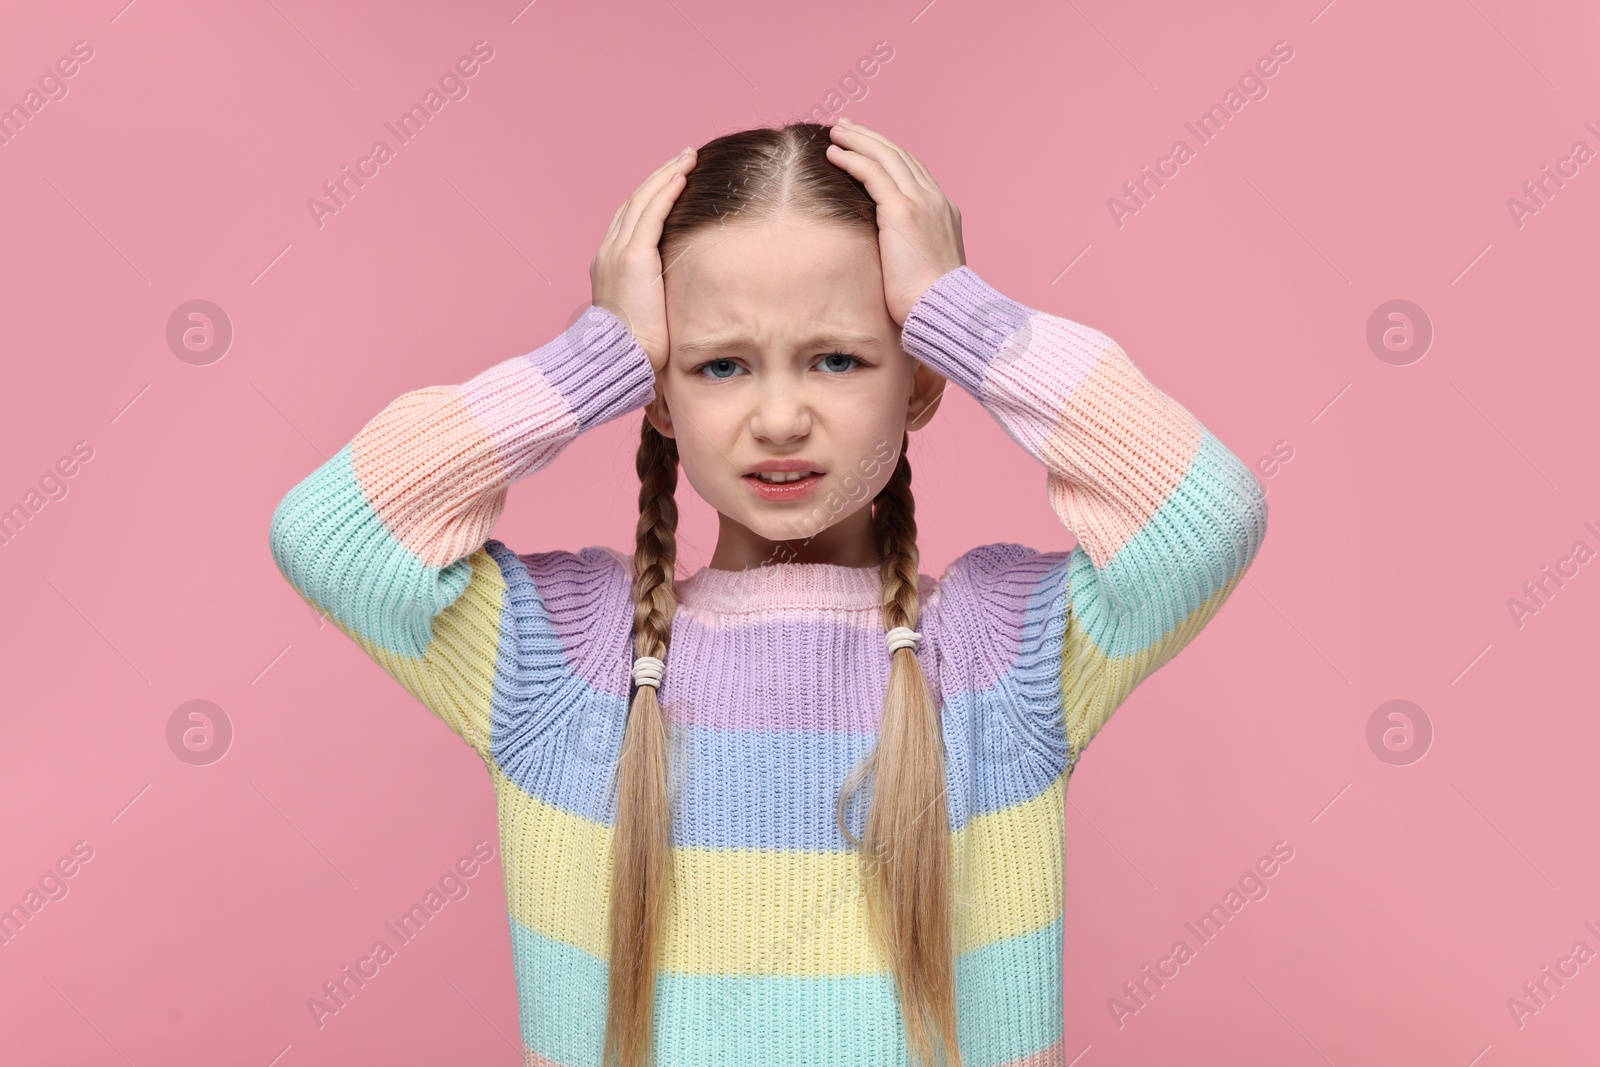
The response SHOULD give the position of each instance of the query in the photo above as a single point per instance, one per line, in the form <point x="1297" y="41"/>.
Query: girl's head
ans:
<point x="782" y="348"/>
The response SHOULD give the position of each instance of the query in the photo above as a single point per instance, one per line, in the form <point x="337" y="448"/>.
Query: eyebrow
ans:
<point x="726" y="343"/>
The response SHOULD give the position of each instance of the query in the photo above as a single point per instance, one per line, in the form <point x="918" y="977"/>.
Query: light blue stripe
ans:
<point x="360" y="574"/>
<point x="559" y="739"/>
<point x="734" y="782"/>
<point x="552" y="733"/>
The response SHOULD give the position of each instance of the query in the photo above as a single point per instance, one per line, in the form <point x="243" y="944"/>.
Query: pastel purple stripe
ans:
<point x="577" y="589"/>
<point x="765" y="677"/>
<point x="598" y="367"/>
<point x="989" y="600"/>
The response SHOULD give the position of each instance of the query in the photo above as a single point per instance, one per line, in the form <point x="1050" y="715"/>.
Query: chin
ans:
<point x="793" y="523"/>
<point x="778" y="522"/>
<point x="803" y="521"/>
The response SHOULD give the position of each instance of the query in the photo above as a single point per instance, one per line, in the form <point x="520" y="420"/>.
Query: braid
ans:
<point x="894" y="524"/>
<point x="641" y="842"/>
<point x="906" y="852"/>
<point x="655" y="554"/>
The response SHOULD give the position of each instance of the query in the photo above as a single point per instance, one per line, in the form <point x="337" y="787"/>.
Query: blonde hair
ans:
<point x="905" y="850"/>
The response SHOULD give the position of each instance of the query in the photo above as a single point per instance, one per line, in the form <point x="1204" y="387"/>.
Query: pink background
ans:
<point x="1418" y="500"/>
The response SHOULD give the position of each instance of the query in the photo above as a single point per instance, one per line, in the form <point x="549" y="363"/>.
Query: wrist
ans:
<point x="960" y="323"/>
<point x="598" y="367"/>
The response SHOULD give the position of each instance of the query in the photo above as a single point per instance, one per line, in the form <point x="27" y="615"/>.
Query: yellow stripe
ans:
<point x="743" y="911"/>
<point x="1095" y="685"/>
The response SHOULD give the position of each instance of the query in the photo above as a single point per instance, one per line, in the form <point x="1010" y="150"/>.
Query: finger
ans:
<point x="628" y="213"/>
<point x="635" y="205"/>
<point x="622" y="209"/>
<point x="884" y="155"/>
<point x="918" y="166"/>
<point x="893" y="157"/>
<point x="924" y="178"/>
<point x="616" y="221"/>
<point x="653" y="215"/>
<point x="879" y="136"/>
<point x="618" y="216"/>
<point x="881" y="186"/>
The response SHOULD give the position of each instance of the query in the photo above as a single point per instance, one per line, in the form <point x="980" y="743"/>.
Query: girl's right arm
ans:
<point x="387" y="537"/>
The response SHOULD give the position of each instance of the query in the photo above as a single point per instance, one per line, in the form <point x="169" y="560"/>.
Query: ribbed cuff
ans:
<point x="958" y="325"/>
<point x="599" y="368"/>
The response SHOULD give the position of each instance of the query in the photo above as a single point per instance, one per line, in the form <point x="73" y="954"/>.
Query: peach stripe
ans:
<point x="399" y="465"/>
<point x="1116" y="480"/>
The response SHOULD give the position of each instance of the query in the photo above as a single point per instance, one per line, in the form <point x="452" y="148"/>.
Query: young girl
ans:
<point x="804" y="806"/>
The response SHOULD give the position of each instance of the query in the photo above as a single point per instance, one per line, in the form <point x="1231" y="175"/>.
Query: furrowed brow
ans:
<point x="735" y="343"/>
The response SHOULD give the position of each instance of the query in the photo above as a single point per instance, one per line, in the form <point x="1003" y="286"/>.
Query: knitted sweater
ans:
<point x="774" y="683"/>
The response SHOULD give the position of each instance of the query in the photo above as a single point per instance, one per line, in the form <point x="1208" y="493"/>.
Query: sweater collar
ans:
<point x="778" y="586"/>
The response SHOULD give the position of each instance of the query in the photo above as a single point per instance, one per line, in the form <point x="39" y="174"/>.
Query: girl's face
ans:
<point x="782" y="349"/>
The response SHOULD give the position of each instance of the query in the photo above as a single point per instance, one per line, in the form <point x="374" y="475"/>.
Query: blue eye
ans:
<point x="854" y="362"/>
<point x="722" y="364"/>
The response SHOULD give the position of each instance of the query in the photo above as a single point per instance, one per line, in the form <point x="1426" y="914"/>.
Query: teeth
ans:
<point x="779" y="477"/>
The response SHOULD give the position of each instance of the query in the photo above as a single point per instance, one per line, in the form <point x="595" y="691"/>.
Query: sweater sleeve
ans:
<point x="1167" y="518"/>
<point x="388" y="537"/>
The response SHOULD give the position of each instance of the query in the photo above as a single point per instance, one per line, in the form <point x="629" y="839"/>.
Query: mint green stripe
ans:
<point x="561" y="998"/>
<point x="1177" y="560"/>
<point x="1008" y="1000"/>
<point x="360" y="574"/>
<point x="1008" y="997"/>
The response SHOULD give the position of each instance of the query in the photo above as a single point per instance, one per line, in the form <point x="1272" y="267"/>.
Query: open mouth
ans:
<point x="782" y="477"/>
<point x="783" y="485"/>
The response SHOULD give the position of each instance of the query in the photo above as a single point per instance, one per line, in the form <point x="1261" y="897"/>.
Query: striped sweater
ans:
<point x="774" y="683"/>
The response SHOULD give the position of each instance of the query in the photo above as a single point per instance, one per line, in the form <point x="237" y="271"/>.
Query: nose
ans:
<point x="783" y="412"/>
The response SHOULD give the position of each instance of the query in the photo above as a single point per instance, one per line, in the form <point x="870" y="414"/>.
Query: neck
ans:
<point x="847" y="543"/>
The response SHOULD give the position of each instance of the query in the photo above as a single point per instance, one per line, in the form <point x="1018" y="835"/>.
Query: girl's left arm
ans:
<point x="1167" y="518"/>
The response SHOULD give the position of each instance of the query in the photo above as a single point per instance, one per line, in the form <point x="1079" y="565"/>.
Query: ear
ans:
<point x="927" y="389"/>
<point x="659" y="414"/>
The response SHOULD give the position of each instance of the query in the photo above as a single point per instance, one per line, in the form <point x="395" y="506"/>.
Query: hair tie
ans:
<point x="903" y="637"/>
<point x="647" y="671"/>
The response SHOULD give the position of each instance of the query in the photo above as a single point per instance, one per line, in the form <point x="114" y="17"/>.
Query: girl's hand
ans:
<point x="625" y="275"/>
<point x="919" y="229"/>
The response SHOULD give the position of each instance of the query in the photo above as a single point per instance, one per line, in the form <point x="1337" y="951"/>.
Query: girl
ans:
<point x="695" y="869"/>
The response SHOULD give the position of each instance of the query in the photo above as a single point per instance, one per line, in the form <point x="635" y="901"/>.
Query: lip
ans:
<point x="796" y="490"/>
<point x="797" y="464"/>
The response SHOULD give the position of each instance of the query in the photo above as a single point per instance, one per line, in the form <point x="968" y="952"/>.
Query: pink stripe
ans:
<point x="1047" y="361"/>
<point x="1050" y="1057"/>
<point x="515" y="404"/>
<point x="498" y="426"/>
